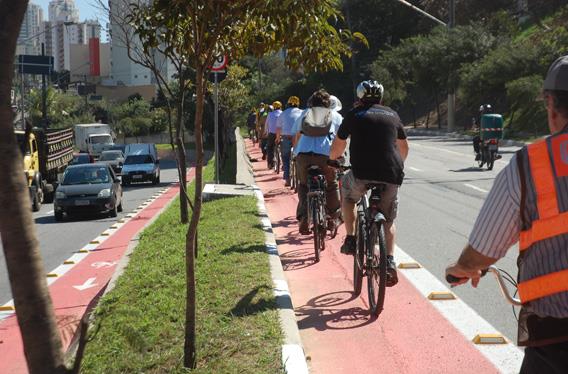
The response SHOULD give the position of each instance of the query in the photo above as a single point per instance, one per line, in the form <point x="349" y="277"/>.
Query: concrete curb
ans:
<point x="456" y="135"/>
<point x="293" y="357"/>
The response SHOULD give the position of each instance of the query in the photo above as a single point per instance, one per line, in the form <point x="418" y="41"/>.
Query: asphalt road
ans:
<point x="59" y="240"/>
<point x="439" y="202"/>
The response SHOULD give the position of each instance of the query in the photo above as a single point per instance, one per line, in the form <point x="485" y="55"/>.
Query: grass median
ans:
<point x="139" y="326"/>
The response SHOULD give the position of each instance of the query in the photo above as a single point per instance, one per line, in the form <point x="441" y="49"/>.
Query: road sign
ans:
<point x="31" y="64"/>
<point x="220" y="63"/>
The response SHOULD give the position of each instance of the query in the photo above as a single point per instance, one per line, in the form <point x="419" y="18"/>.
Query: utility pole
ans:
<point x="217" y="161"/>
<point x="44" y="93"/>
<point x="451" y="80"/>
<point x="23" y="110"/>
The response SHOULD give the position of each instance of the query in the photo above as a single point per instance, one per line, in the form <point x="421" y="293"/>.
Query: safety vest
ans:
<point x="548" y="161"/>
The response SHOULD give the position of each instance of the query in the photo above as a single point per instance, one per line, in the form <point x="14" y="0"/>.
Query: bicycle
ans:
<point x="293" y="174"/>
<point x="370" y="258"/>
<point x="321" y="222"/>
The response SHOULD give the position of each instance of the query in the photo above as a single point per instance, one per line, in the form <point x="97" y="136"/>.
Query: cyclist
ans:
<point x="378" y="149"/>
<point x="483" y="109"/>
<point x="261" y="128"/>
<point x="251" y="123"/>
<point x="271" y="129"/>
<point x="315" y="129"/>
<point x="528" y="203"/>
<point x="284" y="134"/>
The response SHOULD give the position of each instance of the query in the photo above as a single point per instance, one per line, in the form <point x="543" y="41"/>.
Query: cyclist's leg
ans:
<point x="270" y="149"/>
<point x="551" y="358"/>
<point x="302" y="163"/>
<point x="286" y="149"/>
<point x="352" y="190"/>
<point x="389" y="207"/>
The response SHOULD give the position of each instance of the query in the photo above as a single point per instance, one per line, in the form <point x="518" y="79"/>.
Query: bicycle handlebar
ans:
<point x="504" y="290"/>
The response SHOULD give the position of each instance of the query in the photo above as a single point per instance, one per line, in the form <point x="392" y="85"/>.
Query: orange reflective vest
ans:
<point x="550" y="222"/>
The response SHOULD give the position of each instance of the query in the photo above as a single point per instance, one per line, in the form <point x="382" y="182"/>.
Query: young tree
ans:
<point x="200" y="30"/>
<point x="42" y="343"/>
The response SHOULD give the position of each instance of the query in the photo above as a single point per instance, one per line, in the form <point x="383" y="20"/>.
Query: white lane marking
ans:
<point x="89" y="283"/>
<point x="103" y="264"/>
<point x="49" y="213"/>
<point x="475" y="188"/>
<point x="506" y="357"/>
<point x="414" y="169"/>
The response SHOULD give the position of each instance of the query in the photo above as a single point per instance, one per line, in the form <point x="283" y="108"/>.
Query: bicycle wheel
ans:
<point x="322" y="223"/>
<point x="278" y="160"/>
<point x="359" y="257"/>
<point x="293" y="175"/>
<point x="316" y="227"/>
<point x="491" y="160"/>
<point x="376" y="268"/>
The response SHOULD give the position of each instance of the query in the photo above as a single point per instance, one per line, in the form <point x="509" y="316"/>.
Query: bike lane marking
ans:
<point x="410" y="336"/>
<point x="77" y="287"/>
<point x="475" y="188"/>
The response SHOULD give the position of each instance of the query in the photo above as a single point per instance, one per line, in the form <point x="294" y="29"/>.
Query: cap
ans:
<point x="557" y="76"/>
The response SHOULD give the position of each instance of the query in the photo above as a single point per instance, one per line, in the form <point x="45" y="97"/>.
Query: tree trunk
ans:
<point x="180" y="154"/>
<point x="190" y="349"/>
<point x="34" y="310"/>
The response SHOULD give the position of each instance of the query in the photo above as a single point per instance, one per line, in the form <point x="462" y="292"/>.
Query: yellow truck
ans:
<point x="46" y="155"/>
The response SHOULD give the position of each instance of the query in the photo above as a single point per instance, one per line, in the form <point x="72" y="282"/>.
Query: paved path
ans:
<point x="410" y="336"/>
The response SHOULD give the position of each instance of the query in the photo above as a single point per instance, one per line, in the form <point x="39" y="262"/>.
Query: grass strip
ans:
<point x="139" y="326"/>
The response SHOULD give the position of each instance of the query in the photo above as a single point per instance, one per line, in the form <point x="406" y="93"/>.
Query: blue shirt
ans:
<point x="287" y="120"/>
<point x="316" y="144"/>
<point x="271" y="120"/>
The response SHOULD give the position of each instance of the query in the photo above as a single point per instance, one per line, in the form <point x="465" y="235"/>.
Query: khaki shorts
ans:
<point x="353" y="189"/>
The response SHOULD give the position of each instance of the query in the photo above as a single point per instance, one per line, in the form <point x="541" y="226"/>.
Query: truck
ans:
<point x="93" y="138"/>
<point x="46" y="155"/>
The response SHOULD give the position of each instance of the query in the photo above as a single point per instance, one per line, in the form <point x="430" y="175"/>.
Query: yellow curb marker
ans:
<point x="489" y="339"/>
<point x="409" y="265"/>
<point x="68" y="262"/>
<point x="52" y="275"/>
<point x="121" y="220"/>
<point x="7" y="308"/>
<point x="105" y="233"/>
<point x="441" y="295"/>
<point x="94" y="242"/>
<point x="83" y="250"/>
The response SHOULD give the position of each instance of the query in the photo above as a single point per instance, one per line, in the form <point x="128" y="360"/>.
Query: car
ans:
<point x="81" y="158"/>
<point x="113" y="158"/>
<point x="118" y="147"/>
<point x="141" y="164"/>
<point x="88" y="188"/>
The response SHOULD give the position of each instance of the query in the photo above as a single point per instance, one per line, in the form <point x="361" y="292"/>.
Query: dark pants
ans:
<point x="286" y="151"/>
<point x="270" y="145"/>
<point x="549" y="359"/>
<point x="263" y="143"/>
<point x="303" y="161"/>
<point x="476" y="143"/>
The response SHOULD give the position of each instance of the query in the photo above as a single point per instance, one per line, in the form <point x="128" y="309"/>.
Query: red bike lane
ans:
<point x="76" y="290"/>
<point x="338" y="334"/>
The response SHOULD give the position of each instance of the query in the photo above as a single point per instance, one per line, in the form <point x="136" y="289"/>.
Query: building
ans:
<point x="63" y="11"/>
<point x="29" y="40"/>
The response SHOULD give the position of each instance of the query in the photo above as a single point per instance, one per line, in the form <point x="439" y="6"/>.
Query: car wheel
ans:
<point x="119" y="208"/>
<point x="36" y="198"/>
<point x="158" y="179"/>
<point x="58" y="216"/>
<point x="113" y="212"/>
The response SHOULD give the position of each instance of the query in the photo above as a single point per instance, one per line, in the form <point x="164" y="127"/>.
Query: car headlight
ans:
<point x="60" y="195"/>
<point x="105" y="192"/>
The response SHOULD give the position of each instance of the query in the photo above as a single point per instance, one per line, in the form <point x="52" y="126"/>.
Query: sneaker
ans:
<point x="349" y="245"/>
<point x="392" y="277"/>
<point x="304" y="227"/>
<point x="287" y="183"/>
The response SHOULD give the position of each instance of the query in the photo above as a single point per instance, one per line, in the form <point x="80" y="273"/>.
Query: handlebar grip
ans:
<point x="451" y="279"/>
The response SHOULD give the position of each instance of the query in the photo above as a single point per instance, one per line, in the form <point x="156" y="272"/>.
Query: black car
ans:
<point x="81" y="158"/>
<point x="88" y="188"/>
<point x="113" y="158"/>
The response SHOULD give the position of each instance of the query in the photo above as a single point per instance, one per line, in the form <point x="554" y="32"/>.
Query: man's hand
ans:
<point x="463" y="274"/>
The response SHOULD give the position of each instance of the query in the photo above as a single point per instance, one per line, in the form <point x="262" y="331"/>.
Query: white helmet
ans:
<point x="370" y="91"/>
<point x="335" y="103"/>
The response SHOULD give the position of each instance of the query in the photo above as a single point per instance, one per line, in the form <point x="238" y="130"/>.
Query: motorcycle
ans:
<point x="488" y="152"/>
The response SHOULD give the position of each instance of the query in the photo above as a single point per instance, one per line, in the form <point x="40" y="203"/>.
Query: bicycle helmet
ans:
<point x="335" y="103"/>
<point x="294" y="101"/>
<point x="370" y="91"/>
<point x="277" y="105"/>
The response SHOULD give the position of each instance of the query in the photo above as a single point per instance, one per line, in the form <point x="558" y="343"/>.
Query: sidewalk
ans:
<point x="79" y="282"/>
<point x="338" y="335"/>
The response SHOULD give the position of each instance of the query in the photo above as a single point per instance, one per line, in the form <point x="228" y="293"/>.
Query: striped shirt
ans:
<point x="498" y="224"/>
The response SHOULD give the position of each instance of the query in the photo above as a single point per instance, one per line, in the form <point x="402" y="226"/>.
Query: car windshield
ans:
<point x="110" y="156"/>
<point x="84" y="175"/>
<point x="101" y="139"/>
<point x="81" y="159"/>
<point x="138" y="159"/>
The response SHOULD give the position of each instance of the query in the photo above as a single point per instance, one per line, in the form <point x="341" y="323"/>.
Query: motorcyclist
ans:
<point x="483" y="109"/>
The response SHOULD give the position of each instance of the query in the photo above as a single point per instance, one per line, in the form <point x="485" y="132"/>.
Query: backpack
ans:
<point x="317" y="122"/>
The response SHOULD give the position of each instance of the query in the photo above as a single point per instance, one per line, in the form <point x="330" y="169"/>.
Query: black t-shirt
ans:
<point x="373" y="151"/>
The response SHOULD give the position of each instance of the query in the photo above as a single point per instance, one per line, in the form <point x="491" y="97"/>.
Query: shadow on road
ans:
<point x="324" y="312"/>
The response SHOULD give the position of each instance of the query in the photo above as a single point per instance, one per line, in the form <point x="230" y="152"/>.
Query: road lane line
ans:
<point x="49" y="213"/>
<point x="506" y="357"/>
<point x="475" y="188"/>
<point x="414" y="169"/>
